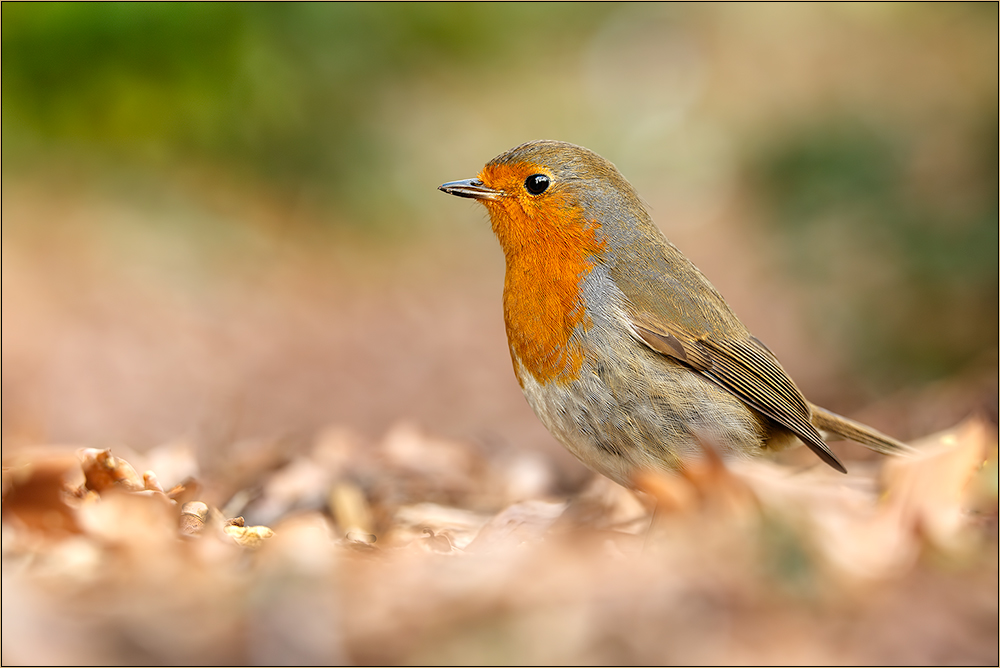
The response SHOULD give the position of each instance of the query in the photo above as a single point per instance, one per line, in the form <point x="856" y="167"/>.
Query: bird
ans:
<point x="623" y="349"/>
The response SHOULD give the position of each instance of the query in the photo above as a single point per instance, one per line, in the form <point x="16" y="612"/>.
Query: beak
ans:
<point x="473" y="188"/>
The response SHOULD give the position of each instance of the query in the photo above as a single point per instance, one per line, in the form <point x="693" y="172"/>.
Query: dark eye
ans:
<point x="536" y="183"/>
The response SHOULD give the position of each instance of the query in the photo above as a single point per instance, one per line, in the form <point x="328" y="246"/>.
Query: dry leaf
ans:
<point x="103" y="472"/>
<point x="523" y="522"/>
<point x="249" y="537"/>
<point x="194" y="515"/>
<point x="351" y="511"/>
<point x="930" y="491"/>
<point x="35" y="493"/>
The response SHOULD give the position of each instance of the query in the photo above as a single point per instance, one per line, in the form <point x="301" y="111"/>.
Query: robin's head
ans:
<point x="544" y="189"/>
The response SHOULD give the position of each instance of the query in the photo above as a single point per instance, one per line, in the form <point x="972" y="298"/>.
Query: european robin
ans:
<point x="623" y="349"/>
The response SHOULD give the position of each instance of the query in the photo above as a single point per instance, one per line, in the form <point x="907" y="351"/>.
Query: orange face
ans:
<point x="550" y="247"/>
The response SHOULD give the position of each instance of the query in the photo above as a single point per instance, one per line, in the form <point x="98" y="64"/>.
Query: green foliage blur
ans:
<point x="843" y="189"/>
<point x="282" y="93"/>
<point x="883" y="193"/>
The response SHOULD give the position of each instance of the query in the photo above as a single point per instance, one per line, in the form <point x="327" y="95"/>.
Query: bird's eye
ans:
<point x="536" y="183"/>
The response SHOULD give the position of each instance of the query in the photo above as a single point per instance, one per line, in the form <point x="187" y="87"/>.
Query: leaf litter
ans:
<point x="417" y="549"/>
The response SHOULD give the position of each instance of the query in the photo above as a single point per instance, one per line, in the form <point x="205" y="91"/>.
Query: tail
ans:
<point x="826" y="421"/>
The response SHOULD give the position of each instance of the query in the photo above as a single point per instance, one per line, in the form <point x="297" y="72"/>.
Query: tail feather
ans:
<point x="827" y="421"/>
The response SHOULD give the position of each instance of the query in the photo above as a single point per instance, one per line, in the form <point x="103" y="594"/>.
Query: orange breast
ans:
<point x="549" y="249"/>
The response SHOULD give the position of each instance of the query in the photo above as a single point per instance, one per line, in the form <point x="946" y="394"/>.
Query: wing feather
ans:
<point x="749" y="371"/>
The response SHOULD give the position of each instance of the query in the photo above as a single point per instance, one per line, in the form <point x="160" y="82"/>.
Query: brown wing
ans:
<point x="748" y="370"/>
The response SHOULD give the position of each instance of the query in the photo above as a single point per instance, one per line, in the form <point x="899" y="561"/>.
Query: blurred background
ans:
<point x="221" y="222"/>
